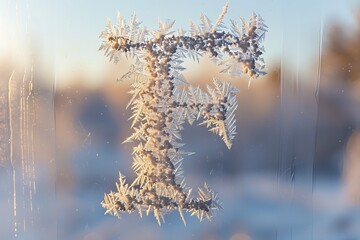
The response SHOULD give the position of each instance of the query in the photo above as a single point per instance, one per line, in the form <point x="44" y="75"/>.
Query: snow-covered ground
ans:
<point x="255" y="206"/>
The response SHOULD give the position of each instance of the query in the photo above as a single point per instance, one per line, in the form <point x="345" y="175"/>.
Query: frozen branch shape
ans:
<point x="160" y="108"/>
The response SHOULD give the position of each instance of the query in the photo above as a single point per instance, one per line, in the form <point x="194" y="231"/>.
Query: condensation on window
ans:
<point x="292" y="171"/>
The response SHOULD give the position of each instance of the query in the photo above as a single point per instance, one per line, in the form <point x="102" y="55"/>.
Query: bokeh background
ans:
<point x="293" y="171"/>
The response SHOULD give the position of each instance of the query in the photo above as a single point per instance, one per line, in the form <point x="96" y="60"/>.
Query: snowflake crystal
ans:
<point x="160" y="108"/>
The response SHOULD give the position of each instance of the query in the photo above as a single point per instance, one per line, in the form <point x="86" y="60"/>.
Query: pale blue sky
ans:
<point x="65" y="33"/>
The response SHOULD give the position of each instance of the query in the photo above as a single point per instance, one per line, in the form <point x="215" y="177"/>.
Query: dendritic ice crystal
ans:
<point x="160" y="108"/>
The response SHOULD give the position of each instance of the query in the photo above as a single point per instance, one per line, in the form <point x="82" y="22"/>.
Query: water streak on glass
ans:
<point x="300" y="72"/>
<point x="27" y="132"/>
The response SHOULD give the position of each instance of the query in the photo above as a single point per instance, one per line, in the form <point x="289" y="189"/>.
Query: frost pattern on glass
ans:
<point x="160" y="108"/>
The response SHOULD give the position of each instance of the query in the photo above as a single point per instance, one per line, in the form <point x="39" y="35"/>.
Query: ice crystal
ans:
<point x="160" y="108"/>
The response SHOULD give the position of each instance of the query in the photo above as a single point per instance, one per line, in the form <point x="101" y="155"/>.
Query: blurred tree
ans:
<point x="341" y="58"/>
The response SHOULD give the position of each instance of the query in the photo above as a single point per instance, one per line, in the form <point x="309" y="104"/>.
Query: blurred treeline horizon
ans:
<point x="85" y="111"/>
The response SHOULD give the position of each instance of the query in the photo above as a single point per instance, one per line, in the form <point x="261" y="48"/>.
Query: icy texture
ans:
<point x="160" y="108"/>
